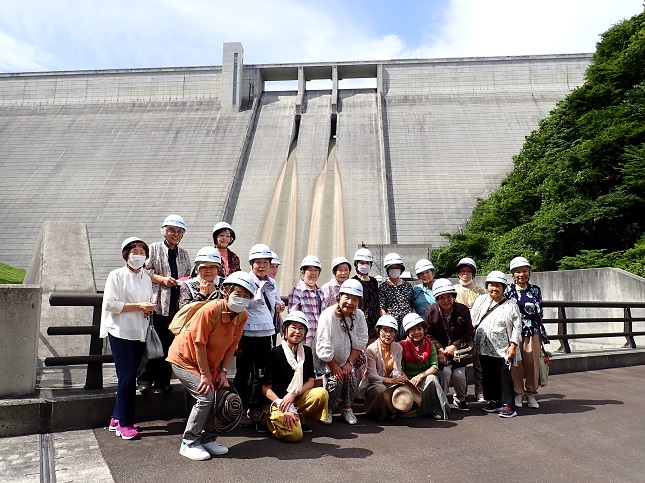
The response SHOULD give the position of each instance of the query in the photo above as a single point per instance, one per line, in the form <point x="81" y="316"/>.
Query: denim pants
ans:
<point x="200" y="426"/>
<point x="127" y="357"/>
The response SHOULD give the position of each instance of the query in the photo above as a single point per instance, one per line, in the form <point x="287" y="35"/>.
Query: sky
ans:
<point x="55" y="35"/>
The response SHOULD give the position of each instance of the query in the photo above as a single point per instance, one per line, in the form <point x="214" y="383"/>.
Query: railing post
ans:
<point x="94" y="376"/>
<point x="628" y="327"/>
<point x="562" y="330"/>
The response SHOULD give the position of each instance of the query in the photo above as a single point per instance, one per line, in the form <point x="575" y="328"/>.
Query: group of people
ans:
<point x="397" y="347"/>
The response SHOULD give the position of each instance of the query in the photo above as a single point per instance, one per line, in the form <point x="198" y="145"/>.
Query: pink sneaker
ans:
<point x="127" y="432"/>
<point x="115" y="422"/>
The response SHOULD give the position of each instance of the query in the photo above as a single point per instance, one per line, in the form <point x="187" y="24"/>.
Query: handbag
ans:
<point x="465" y="356"/>
<point x="154" y="348"/>
<point x="545" y="365"/>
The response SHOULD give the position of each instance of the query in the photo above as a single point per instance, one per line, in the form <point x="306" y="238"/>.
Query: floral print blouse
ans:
<point x="530" y="303"/>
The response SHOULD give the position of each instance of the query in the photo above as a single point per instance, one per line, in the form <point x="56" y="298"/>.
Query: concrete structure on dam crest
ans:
<point x="306" y="171"/>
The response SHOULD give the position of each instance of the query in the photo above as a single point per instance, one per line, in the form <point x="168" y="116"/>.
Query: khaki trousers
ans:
<point x="526" y="374"/>
<point x="314" y="402"/>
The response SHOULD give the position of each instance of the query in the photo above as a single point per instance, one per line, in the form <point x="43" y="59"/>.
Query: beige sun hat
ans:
<point x="402" y="398"/>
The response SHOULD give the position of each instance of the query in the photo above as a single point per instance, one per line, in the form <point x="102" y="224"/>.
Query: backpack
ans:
<point x="181" y="321"/>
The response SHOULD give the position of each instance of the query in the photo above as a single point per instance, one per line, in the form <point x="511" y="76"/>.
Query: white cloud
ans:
<point x="45" y="35"/>
<point x="512" y="27"/>
<point x="17" y="56"/>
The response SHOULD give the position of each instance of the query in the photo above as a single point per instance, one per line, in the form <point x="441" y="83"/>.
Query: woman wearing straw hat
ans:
<point x="201" y="357"/>
<point x="342" y="335"/>
<point x="421" y="366"/>
<point x="383" y="371"/>
<point x="288" y="384"/>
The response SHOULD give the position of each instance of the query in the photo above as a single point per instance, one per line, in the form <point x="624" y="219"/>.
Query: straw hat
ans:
<point x="228" y="409"/>
<point x="402" y="398"/>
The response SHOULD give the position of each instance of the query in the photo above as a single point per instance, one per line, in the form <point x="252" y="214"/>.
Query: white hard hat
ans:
<point x="423" y="265"/>
<point x="337" y="261"/>
<point x="208" y="255"/>
<point x="393" y="259"/>
<point x="310" y="261"/>
<point x="496" y="276"/>
<point x="410" y="320"/>
<point x="296" y="316"/>
<point x="442" y="286"/>
<point x="519" y="262"/>
<point x="387" y="321"/>
<point x="469" y="262"/>
<point x="132" y="239"/>
<point x="363" y="255"/>
<point x="242" y="279"/>
<point x="221" y="226"/>
<point x="352" y="287"/>
<point x="174" y="220"/>
<point x="276" y="259"/>
<point x="260" y="251"/>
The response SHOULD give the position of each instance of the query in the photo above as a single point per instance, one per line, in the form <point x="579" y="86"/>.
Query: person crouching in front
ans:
<point x="288" y="383"/>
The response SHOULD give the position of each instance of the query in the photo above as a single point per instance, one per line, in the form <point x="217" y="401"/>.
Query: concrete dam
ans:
<point x="305" y="171"/>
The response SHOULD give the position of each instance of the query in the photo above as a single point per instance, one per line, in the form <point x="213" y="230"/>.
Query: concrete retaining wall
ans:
<point x="19" y="317"/>
<point x="62" y="262"/>
<point x="599" y="285"/>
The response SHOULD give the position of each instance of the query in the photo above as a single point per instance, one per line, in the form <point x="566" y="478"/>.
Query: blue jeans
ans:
<point x="127" y="357"/>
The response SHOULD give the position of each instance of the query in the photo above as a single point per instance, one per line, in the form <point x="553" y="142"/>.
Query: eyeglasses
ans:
<point x="175" y="231"/>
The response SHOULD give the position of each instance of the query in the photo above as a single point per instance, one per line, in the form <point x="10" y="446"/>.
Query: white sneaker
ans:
<point x="532" y="403"/>
<point x="348" y="416"/>
<point x="215" y="448"/>
<point x="329" y="418"/>
<point x="195" y="452"/>
<point x="518" y="401"/>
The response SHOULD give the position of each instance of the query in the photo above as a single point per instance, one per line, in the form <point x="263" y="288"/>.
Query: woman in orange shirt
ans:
<point x="201" y="356"/>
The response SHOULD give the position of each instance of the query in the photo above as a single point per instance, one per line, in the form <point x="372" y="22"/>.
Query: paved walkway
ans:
<point x="590" y="427"/>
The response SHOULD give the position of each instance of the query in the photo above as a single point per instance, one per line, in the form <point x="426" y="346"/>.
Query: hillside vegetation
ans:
<point x="576" y="195"/>
<point x="11" y="275"/>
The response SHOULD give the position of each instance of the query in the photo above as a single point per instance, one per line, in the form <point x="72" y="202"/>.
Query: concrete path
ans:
<point x="589" y="427"/>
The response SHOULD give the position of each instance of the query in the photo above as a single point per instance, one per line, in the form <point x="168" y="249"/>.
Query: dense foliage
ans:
<point x="576" y="196"/>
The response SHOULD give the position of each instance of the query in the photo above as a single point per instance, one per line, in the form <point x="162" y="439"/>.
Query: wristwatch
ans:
<point x="224" y="370"/>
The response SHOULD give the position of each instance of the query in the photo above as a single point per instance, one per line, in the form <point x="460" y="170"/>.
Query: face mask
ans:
<point x="364" y="268"/>
<point x="465" y="284"/>
<point x="136" y="261"/>
<point x="394" y="273"/>
<point x="237" y="304"/>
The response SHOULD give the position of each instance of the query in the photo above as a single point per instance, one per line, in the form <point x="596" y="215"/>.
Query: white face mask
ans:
<point x="364" y="268"/>
<point x="136" y="261"/>
<point x="237" y="304"/>
<point x="394" y="273"/>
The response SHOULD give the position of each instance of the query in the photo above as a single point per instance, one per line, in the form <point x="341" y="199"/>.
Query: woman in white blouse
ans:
<point x="498" y="332"/>
<point x="126" y="307"/>
<point x="342" y="335"/>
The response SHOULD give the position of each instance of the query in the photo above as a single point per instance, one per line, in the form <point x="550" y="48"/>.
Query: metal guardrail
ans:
<point x="95" y="359"/>
<point x="563" y="321"/>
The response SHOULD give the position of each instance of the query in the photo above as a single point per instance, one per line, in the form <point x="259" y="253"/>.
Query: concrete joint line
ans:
<point x="45" y="416"/>
<point x="47" y="462"/>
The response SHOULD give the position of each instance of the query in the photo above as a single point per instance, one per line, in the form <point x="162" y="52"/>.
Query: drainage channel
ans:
<point x="47" y="463"/>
